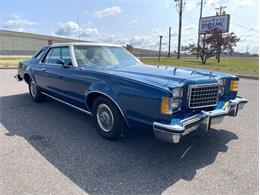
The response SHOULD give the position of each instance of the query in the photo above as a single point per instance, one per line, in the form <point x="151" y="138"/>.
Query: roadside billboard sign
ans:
<point x="207" y="24"/>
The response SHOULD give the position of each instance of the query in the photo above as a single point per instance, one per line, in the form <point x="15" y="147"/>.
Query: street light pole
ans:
<point x="160" y="48"/>
<point x="169" y="49"/>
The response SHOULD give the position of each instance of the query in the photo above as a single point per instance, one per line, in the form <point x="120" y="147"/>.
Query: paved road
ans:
<point x="48" y="148"/>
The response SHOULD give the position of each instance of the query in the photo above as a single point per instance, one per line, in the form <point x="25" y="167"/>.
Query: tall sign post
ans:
<point x="198" y="45"/>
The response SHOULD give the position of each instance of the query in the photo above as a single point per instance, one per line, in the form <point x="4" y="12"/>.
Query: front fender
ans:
<point x="137" y="101"/>
<point x="103" y="88"/>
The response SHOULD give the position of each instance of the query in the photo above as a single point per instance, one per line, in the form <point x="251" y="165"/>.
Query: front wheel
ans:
<point x="35" y="93"/>
<point x="109" y="121"/>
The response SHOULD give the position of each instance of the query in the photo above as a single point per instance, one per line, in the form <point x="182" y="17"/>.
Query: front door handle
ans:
<point x="43" y="69"/>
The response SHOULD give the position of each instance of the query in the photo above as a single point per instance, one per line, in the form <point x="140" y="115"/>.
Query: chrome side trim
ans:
<point x="59" y="100"/>
<point x="112" y="101"/>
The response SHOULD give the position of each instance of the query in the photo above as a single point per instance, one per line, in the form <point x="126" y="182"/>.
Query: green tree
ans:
<point x="215" y="43"/>
<point x="191" y="48"/>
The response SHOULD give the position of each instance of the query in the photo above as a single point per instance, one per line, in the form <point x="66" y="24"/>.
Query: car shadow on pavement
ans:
<point x="136" y="164"/>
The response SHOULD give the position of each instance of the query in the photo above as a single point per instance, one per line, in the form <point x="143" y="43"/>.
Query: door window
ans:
<point x="65" y="55"/>
<point x="57" y="53"/>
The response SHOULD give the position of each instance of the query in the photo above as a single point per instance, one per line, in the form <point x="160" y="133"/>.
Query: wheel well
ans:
<point x="91" y="98"/>
<point x="27" y="78"/>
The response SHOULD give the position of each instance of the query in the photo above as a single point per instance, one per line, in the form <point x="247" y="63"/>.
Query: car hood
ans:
<point x="169" y="76"/>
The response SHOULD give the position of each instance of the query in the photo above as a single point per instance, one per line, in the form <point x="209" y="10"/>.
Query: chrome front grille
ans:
<point x="201" y="96"/>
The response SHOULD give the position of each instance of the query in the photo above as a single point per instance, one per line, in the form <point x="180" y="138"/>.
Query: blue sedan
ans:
<point x="120" y="92"/>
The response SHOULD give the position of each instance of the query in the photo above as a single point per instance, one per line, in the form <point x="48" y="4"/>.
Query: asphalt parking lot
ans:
<point x="49" y="148"/>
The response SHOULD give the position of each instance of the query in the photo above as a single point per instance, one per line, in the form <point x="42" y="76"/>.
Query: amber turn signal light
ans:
<point x="234" y="85"/>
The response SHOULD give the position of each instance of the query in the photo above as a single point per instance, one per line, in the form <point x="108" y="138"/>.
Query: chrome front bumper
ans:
<point x="173" y="132"/>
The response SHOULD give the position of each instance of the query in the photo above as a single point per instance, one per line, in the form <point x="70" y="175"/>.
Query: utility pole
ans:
<point x="221" y="10"/>
<point x="78" y="26"/>
<point x="198" y="45"/>
<point x="169" y="50"/>
<point x="179" y="6"/>
<point x="220" y="13"/>
<point x="160" y="48"/>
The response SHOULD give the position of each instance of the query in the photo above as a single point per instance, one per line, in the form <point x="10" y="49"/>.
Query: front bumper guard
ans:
<point x="173" y="132"/>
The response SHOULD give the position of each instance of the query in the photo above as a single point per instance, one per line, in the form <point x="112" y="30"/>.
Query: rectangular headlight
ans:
<point x="222" y="84"/>
<point x="177" y="92"/>
<point x="234" y="85"/>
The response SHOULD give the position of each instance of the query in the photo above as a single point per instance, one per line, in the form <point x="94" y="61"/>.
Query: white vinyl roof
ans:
<point x="86" y="44"/>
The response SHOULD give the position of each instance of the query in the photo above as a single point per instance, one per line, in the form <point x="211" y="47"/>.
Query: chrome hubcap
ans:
<point x="33" y="89"/>
<point x="105" y="117"/>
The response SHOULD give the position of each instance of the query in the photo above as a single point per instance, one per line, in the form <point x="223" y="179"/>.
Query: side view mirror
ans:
<point x="60" y="61"/>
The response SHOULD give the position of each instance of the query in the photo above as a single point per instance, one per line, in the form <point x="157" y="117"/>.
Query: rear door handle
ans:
<point x="43" y="69"/>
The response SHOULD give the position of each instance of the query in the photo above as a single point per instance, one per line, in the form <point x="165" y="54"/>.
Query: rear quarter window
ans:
<point x="39" y="54"/>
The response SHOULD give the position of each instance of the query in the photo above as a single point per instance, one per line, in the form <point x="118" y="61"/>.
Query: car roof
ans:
<point x="86" y="44"/>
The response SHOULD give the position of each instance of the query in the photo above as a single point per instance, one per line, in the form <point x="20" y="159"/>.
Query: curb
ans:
<point x="8" y="68"/>
<point x="247" y="77"/>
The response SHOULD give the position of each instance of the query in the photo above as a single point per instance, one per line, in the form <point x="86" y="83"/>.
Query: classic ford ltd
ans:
<point x="120" y="92"/>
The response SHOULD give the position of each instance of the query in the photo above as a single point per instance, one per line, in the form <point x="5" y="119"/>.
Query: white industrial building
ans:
<point x="21" y="43"/>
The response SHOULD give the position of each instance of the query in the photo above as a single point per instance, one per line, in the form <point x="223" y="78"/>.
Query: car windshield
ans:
<point x="103" y="56"/>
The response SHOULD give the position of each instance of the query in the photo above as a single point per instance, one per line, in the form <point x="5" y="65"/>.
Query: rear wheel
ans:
<point x="35" y="93"/>
<point x="108" y="119"/>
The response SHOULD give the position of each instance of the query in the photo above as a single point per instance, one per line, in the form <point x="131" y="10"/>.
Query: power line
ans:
<point x="220" y="13"/>
<point x="221" y="10"/>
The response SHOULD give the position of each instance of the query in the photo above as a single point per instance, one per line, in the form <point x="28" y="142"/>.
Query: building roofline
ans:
<point x="37" y="36"/>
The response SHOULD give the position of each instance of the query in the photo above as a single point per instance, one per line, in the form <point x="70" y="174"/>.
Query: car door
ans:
<point x="38" y="68"/>
<point x="60" y="80"/>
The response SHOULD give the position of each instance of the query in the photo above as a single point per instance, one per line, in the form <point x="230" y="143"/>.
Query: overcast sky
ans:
<point x="137" y="22"/>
